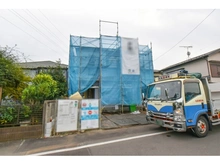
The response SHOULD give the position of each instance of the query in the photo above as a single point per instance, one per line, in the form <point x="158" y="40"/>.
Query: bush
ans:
<point x="7" y="114"/>
<point x="25" y="111"/>
<point x="43" y="87"/>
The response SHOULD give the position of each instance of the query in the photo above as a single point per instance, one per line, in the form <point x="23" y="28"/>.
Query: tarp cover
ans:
<point x="121" y="83"/>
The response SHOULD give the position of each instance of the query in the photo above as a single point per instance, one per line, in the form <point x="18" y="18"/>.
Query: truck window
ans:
<point x="154" y="92"/>
<point x="157" y="91"/>
<point x="191" y="90"/>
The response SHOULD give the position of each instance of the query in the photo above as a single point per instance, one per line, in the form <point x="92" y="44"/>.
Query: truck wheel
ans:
<point x="202" y="127"/>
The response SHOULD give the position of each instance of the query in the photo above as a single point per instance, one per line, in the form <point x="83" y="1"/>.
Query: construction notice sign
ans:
<point x="67" y="115"/>
<point x="89" y="114"/>
<point x="130" y="56"/>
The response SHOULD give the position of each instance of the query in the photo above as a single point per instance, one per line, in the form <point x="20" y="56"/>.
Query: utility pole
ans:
<point x="188" y="52"/>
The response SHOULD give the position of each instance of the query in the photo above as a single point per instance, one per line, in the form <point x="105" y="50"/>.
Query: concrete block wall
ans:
<point x="20" y="132"/>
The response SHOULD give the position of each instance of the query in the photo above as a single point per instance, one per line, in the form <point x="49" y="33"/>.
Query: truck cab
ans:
<point x="180" y="102"/>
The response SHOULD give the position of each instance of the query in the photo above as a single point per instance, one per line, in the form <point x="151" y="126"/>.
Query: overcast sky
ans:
<point x="41" y="31"/>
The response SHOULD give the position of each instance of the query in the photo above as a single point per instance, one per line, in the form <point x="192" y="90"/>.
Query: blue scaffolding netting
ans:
<point x="100" y="60"/>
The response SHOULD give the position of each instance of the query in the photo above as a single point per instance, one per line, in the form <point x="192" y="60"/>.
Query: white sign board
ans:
<point x="67" y="115"/>
<point x="89" y="114"/>
<point x="130" y="56"/>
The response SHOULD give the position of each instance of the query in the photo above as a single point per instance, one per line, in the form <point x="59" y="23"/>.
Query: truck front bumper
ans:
<point x="174" y="125"/>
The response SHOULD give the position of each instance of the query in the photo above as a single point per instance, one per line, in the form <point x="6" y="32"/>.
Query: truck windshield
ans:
<point x="157" y="91"/>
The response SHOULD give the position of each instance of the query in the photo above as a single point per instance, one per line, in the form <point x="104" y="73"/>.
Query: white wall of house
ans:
<point x="32" y="73"/>
<point x="192" y="67"/>
<point x="216" y="58"/>
<point x="200" y="65"/>
<point x="215" y="79"/>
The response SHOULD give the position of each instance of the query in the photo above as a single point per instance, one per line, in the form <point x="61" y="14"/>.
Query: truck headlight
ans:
<point x="178" y="111"/>
<point x="178" y="114"/>
<point x="179" y="118"/>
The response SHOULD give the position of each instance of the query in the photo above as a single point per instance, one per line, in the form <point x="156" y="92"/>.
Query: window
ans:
<point x="157" y="91"/>
<point x="191" y="90"/>
<point x="215" y="69"/>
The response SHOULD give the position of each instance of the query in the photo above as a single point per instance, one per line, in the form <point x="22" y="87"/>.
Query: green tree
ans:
<point x="12" y="78"/>
<point x="58" y="74"/>
<point x="43" y="87"/>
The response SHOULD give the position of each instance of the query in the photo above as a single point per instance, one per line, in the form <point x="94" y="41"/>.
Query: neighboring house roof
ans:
<point x="155" y="70"/>
<point x="41" y="64"/>
<point x="192" y="59"/>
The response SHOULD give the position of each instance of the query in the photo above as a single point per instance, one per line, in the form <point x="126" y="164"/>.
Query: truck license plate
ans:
<point x="159" y="122"/>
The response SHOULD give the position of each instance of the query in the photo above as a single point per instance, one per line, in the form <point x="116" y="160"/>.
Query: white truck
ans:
<point x="184" y="101"/>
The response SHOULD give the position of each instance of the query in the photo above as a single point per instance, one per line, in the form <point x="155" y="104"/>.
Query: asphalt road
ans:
<point x="144" y="140"/>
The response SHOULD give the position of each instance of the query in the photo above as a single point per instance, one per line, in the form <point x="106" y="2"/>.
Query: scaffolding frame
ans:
<point x="100" y="35"/>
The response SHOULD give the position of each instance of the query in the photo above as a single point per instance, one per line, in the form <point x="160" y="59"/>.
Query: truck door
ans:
<point x="195" y="102"/>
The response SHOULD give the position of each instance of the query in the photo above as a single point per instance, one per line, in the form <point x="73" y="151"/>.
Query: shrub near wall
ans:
<point x="19" y="122"/>
<point x="15" y="115"/>
<point x="16" y="123"/>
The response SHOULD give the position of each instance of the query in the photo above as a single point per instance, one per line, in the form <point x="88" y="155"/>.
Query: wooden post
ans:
<point x="0" y="95"/>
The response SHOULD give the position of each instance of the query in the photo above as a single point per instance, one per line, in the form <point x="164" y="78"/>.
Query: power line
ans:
<point x="186" y="35"/>
<point x="42" y="24"/>
<point x="51" y="22"/>
<point x="29" y="35"/>
<point x="36" y="29"/>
